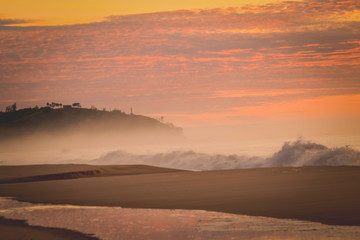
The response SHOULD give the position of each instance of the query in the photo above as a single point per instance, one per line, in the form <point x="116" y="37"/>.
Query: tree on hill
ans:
<point x="76" y="105"/>
<point x="11" y="108"/>
<point x="54" y="105"/>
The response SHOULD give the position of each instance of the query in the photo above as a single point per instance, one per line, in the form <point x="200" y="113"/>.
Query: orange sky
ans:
<point x="44" y="12"/>
<point x="213" y="63"/>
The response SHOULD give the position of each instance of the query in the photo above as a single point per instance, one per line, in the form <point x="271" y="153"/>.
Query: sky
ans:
<point x="250" y="69"/>
<point x="42" y="12"/>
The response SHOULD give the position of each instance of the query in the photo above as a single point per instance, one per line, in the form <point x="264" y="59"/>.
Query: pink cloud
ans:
<point x="176" y="61"/>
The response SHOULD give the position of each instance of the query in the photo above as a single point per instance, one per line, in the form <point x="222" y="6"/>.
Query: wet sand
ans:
<point x="114" y="223"/>
<point x="328" y="195"/>
<point x="18" y="229"/>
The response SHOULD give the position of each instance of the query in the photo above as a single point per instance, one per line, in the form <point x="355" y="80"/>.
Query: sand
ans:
<point x="328" y="195"/>
<point x="35" y="173"/>
<point x="18" y="229"/>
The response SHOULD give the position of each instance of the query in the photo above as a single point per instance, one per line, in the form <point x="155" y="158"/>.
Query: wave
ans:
<point x="292" y="154"/>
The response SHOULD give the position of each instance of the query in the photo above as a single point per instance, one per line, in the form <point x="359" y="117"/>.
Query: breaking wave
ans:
<point x="292" y="154"/>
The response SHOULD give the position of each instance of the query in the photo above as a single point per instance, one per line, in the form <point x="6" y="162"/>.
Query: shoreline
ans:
<point x="11" y="229"/>
<point x="111" y="222"/>
<point x="328" y="195"/>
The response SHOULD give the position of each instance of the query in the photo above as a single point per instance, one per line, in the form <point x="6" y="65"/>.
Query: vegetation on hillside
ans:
<point x="58" y="118"/>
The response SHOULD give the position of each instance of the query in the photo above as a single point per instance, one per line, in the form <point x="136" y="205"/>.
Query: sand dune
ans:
<point x="35" y="173"/>
<point x="325" y="194"/>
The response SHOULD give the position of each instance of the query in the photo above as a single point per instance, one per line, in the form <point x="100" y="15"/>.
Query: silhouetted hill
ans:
<point x="89" y="123"/>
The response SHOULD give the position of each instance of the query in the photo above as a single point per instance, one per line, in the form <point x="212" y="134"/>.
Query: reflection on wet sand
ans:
<point x="120" y="223"/>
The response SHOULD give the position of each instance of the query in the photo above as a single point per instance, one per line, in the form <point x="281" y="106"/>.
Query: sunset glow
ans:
<point x="41" y="12"/>
<point x="194" y="62"/>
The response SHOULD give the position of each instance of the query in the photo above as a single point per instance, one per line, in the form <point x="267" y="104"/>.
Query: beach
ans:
<point x="321" y="194"/>
<point x="19" y="229"/>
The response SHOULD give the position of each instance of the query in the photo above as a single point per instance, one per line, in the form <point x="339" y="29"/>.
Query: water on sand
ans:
<point x="109" y="223"/>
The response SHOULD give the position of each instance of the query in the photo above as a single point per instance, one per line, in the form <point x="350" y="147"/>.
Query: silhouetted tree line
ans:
<point x="54" y="105"/>
<point x="11" y="108"/>
<point x="15" y="118"/>
<point x="59" y="105"/>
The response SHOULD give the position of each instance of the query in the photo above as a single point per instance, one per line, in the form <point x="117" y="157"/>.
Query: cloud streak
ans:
<point x="9" y="21"/>
<point x="202" y="61"/>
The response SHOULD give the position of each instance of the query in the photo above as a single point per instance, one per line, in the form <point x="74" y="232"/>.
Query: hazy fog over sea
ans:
<point x="195" y="155"/>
